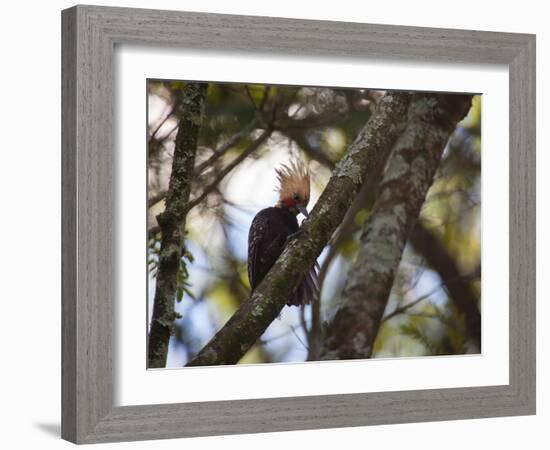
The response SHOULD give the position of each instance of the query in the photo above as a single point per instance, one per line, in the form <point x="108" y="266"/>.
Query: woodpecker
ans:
<point x="272" y="227"/>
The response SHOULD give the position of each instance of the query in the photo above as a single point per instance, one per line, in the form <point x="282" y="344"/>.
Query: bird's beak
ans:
<point x="303" y="210"/>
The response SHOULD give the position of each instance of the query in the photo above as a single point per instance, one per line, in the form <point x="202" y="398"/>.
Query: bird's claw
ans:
<point x="292" y="236"/>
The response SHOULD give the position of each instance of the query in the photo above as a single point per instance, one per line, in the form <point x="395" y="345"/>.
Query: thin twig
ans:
<point x="299" y="339"/>
<point x="172" y="131"/>
<point x="251" y="149"/>
<point x="404" y="308"/>
<point x="156" y="198"/>
<point x="220" y="151"/>
<point x="279" y="336"/>
<point x="161" y="123"/>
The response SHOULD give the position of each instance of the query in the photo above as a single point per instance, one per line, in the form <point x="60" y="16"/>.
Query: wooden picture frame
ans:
<point x="90" y="34"/>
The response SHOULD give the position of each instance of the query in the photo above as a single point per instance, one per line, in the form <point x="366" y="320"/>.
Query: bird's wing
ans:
<point x="256" y="236"/>
<point x="266" y="241"/>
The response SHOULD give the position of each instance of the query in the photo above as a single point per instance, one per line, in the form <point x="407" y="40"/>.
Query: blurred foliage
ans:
<point x="316" y="124"/>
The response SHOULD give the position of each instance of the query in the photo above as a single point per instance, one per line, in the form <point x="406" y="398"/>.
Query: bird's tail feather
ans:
<point x="308" y="290"/>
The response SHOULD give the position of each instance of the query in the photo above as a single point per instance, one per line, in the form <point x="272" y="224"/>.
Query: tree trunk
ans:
<point x="172" y="221"/>
<point x="409" y="174"/>
<point x="255" y="314"/>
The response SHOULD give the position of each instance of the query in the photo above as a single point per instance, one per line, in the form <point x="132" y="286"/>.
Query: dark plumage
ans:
<point x="266" y="240"/>
<point x="272" y="226"/>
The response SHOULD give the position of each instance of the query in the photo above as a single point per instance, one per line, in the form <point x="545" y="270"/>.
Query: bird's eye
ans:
<point x="295" y="196"/>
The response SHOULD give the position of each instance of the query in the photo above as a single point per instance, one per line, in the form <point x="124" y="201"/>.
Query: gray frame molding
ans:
<point x="89" y="36"/>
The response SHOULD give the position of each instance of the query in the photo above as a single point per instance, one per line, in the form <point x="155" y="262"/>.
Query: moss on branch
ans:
<point x="190" y="101"/>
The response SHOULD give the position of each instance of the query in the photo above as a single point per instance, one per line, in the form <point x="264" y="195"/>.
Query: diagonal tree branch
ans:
<point x="216" y="154"/>
<point x="254" y="145"/>
<point x="161" y="123"/>
<point x="236" y="161"/>
<point x="172" y="221"/>
<point x="152" y="201"/>
<point x="458" y="286"/>
<point x="222" y="149"/>
<point x="404" y="308"/>
<point x="298" y="136"/>
<point x="412" y="165"/>
<point x="256" y="313"/>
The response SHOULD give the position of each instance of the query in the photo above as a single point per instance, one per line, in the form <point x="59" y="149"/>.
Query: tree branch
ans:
<point x="222" y="149"/>
<point x="172" y="221"/>
<point x="154" y="230"/>
<point x="156" y="198"/>
<point x="364" y="198"/>
<point x="220" y="176"/>
<point x="314" y="153"/>
<point x="414" y="160"/>
<point x="216" y="154"/>
<point x="161" y="123"/>
<point x="458" y="286"/>
<point x="257" y="312"/>
<point x="404" y="308"/>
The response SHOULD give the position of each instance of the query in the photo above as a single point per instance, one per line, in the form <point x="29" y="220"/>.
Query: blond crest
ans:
<point x="293" y="181"/>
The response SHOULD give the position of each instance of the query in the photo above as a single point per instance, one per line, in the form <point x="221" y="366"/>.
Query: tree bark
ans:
<point x="459" y="288"/>
<point x="172" y="221"/>
<point x="364" y="198"/>
<point x="255" y="314"/>
<point x="412" y="165"/>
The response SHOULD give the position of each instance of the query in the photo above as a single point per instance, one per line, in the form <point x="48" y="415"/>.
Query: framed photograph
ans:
<point x="277" y="224"/>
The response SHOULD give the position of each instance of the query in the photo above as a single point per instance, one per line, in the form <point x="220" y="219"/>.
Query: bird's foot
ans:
<point x="293" y="236"/>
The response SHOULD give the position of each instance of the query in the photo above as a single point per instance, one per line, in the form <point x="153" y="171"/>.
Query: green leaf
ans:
<point x="188" y="256"/>
<point x="188" y="292"/>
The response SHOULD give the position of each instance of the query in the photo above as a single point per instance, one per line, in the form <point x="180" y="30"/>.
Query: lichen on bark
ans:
<point x="431" y="119"/>
<point x="364" y="156"/>
<point x="190" y="106"/>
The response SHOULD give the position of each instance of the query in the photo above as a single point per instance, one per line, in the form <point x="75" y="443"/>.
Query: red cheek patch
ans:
<point x="289" y="202"/>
